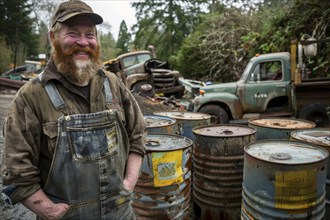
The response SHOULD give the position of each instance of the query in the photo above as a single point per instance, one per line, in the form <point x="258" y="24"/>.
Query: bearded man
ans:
<point x="74" y="136"/>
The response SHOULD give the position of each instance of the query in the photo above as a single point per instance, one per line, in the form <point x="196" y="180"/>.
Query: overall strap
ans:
<point x="107" y="90"/>
<point x="53" y="94"/>
<point x="57" y="99"/>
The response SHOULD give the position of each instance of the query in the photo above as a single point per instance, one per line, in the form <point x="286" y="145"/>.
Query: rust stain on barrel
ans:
<point x="166" y="195"/>
<point x="278" y="128"/>
<point x="218" y="169"/>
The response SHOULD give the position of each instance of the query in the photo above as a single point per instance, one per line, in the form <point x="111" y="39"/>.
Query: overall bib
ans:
<point x="86" y="171"/>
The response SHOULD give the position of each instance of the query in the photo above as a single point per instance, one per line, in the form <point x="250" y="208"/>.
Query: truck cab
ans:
<point x="265" y="85"/>
<point x="265" y="89"/>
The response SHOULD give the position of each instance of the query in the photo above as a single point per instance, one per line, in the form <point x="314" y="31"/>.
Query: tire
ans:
<point x="316" y="113"/>
<point x="218" y="114"/>
<point x="179" y="95"/>
<point x="136" y="88"/>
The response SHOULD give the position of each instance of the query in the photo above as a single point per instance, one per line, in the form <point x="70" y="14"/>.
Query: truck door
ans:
<point x="265" y="89"/>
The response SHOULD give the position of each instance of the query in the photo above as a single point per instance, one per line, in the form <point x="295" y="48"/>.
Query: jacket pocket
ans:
<point x="50" y="130"/>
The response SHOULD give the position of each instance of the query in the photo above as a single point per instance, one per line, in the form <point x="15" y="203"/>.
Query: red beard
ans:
<point x="66" y="65"/>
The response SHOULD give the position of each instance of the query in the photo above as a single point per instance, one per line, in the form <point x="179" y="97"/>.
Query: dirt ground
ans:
<point x="18" y="211"/>
<point x="149" y="106"/>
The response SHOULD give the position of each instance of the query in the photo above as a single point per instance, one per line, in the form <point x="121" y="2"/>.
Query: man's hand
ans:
<point x="40" y="204"/>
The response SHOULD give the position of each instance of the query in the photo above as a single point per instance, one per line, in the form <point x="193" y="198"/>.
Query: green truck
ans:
<point x="268" y="87"/>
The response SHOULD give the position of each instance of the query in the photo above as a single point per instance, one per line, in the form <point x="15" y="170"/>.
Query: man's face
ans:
<point x="76" y="50"/>
<point x="78" y="38"/>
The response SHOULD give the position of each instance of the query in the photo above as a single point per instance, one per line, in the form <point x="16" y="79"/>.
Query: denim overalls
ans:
<point x="85" y="171"/>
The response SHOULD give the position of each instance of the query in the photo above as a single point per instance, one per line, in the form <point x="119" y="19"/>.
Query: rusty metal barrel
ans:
<point x="284" y="179"/>
<point x="218" y="170"/>
<point x="278" y="128"/>
<point x="187" y="121"/>
<point x="163" y="188"/>
<point x="320" y="137"/>
<point x="160" y="124"/>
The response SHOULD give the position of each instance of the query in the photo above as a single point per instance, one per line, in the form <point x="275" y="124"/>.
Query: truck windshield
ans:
<point x="246" y="71"/>
<point x="135" y="59"/>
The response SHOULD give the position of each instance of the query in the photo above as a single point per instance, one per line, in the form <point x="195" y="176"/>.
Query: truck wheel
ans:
<point x="143" y="88"/>
<point x="218" y="114"/>
<point x="316" y="113"/>
<point x="179" y="95"/>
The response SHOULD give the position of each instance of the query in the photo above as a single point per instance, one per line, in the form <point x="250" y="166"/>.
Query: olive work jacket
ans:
<point x="30" y="128"/>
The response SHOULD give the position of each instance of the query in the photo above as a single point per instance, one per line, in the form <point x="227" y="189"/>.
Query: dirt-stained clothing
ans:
<point x="86" y="171"/>
<point x="31" y="127"/>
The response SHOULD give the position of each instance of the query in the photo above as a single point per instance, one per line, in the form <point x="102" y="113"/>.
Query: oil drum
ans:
<point x="163" y="188"/>
<point x="320" y="137"/>
<point x="278" y="128"/>
<point x="187" y="121"/>
<point x="283" y="179"/>
<point x="218" y="170"/>
<point x="160" y="124"/>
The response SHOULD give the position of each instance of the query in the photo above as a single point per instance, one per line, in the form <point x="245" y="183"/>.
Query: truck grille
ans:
<point x="164" y="79"/>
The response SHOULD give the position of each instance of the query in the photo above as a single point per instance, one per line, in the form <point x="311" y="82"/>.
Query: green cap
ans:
<point x="73" y="8"/>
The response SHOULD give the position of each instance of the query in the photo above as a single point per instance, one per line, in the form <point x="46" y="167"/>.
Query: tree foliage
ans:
<point x="305" y="19"/>
<point x="42" y="11"/>
<point x="107" y="41"/>
<point x="5" y="56"/>
<point x="165" y="24"/>
<point x="216" y="46"/>
<point x="227" y="38"/>
<point x="124" y="38"/>
<point x="108" y="45"/>
<point x="203" y="39"/>
<point x="17" y="27"/>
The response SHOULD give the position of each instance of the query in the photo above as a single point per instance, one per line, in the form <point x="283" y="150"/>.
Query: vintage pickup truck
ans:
<point x="268" y="87"/>
<point x="139" y="68"/>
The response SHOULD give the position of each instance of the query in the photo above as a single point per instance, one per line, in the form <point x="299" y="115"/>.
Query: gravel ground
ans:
<point x="18" y="211"/>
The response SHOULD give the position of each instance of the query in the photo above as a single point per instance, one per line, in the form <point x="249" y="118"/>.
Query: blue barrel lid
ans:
<point x="286" y="152"/>
<point x="319" y="136"/>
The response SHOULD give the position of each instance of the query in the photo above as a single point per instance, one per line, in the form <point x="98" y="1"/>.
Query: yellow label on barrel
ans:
<point x="167" y="167"/>
<point x="295" y="189"/>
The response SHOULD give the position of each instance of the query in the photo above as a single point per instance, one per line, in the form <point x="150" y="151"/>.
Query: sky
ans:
<point x="114" y="12"/>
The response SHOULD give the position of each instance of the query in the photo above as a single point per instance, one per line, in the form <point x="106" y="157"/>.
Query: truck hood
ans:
<point x="223" y="87"/>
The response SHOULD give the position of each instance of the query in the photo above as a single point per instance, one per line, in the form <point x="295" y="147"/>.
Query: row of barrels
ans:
<point x="271" y="169"/>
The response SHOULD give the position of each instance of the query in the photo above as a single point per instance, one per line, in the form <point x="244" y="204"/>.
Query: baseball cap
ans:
<point x="73" y="8"/>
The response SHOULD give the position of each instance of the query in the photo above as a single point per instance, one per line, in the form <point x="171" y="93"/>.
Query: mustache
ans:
<point x="75" y="49"/>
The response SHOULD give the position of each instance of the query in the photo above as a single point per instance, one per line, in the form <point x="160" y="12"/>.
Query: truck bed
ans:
<point x="312" y="91"/>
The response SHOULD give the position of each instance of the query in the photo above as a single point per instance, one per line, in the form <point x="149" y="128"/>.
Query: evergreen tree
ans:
<point x="16" y="27"/>
<point x="108" y="45"/>
<point x="165" y="24"/>
<point x="124" y="38"/>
